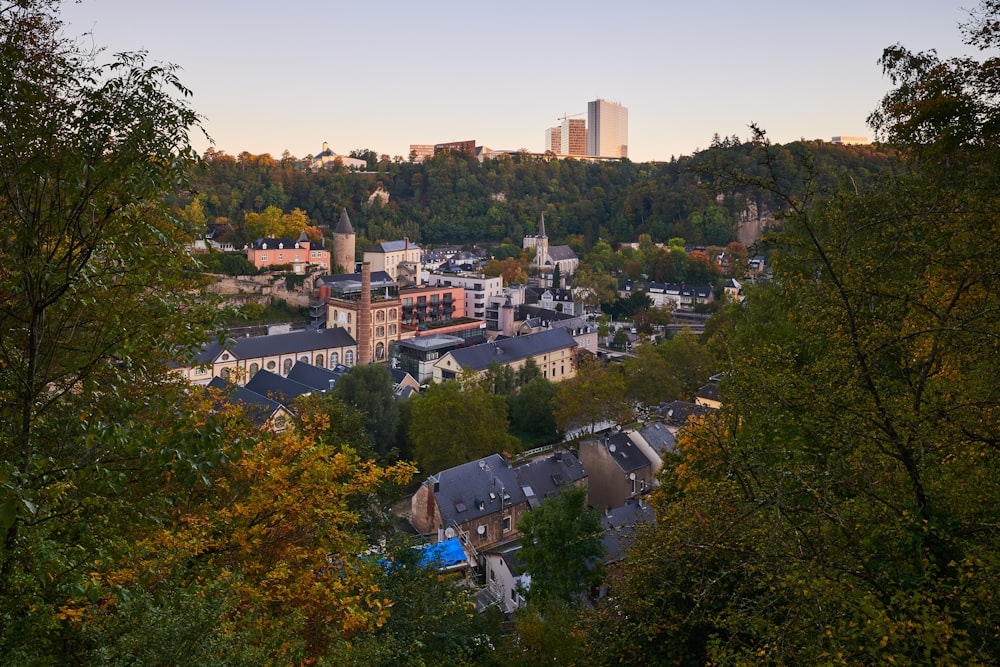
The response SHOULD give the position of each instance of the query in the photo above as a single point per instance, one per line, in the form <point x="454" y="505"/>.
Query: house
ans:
<point x="656" y="441"/>
<point x="417" y="356"/>
<point x="300" y="253"/>
<point x="326" y="159"/>
<point x="239" y="359"/>
<point x="677" y="413"/>
<point x="532" y="319"/>
<point x="617" y="469"/>
<point x="261" y="410"/>
<point x="676" y="296"/>
<point x="479" y="502"/>
<point x="620" y="525"/>
<point x="708" y="396"/>
<point x="400" y="259"/>
<point x="506" y="580"/>
<point x="553" y="351"/>
<point x="544" y="477"/>
<point x="734" y="290"/>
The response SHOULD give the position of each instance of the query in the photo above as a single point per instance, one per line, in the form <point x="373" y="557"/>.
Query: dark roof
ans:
<point x="620" y="526"/>
<point x="508" y="350"/>
<point x="659" y="438"/>
<point x="314" y="377"/>
<point x="624" y="452"/>
<point x="276" y="387"/>
<point x="475" y="489"/>
<point x="351" y="282"/>
<point x="393" y="246"/>
<point x="344" y="225"/>
<point x="257" y="408"/>
<point x="680" y="411"/>
<point x="543" y="478"/>
<point x="561" y="253"/>
<point x="709" y="391"/>
<point x="289" y="343"/>
<point x="699" y="291"/>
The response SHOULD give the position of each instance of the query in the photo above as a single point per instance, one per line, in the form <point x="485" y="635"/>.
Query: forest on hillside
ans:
<point x="456" y="199"/>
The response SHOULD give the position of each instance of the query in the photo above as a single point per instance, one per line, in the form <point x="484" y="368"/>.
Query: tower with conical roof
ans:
<point x="343" y="244"/>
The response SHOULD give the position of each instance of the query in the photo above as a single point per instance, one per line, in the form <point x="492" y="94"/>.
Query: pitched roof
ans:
<point x="394" y="246"/>
<point x="508" y="350"/>
<point x="475" y="489"/>
<point x="276" y="387"/>
<point x="659" y="438"/>
<point x="318" y="379"/>
<point x="624" y="452"/>
<point x="620" y="526"/>
<point x="273" y="243"/>
<point x="290" y="343"/>
<point x="544" y="478"/>
<point x="561" y="253"/>
<point x="351" y="282"/>
<point x="257" y="408"/>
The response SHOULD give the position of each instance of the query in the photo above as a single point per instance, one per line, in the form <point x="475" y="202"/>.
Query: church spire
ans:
<point x="541" y="225"/>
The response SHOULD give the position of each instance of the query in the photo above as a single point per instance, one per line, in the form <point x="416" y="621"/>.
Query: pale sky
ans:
<point x="274" y="76"/>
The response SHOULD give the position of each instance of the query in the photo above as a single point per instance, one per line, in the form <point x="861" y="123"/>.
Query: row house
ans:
<point x="553" y="350"/>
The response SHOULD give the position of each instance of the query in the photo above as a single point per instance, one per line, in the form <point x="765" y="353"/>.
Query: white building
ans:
<point x="478" y="289"/>
<point x="607" y="129"/>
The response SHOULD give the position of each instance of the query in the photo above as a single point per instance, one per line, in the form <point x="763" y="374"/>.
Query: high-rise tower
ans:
<point x="607" y="129"/>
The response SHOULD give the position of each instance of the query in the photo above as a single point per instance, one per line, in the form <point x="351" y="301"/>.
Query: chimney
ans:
<point x="365" y="316"/>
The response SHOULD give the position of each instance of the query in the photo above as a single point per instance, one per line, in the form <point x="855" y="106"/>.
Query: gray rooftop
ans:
<point x="475" y="489"/>
<point x="543" y="478"/>
<point x="509" y="350"/>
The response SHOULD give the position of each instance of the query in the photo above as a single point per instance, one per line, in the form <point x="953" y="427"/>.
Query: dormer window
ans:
<point x="263" y="246"/>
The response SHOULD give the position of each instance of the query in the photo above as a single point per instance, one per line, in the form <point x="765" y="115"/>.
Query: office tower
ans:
<point x="553" y="140"/>
<point x="607" y="129"/>
<point x="574" y="136"/>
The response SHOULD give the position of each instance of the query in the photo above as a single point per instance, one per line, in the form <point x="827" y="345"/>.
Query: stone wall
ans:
<point x="243" y="289"/>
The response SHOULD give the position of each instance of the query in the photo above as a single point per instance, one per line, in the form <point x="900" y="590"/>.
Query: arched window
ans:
<point x="349" y="358"/>
<point x="334" y="359"/>
<point x="392" y="314"/>
<point x="286" y="366"/>
<point x="380" y="332"/>
<point x="253" y="369"/>
<point x="319" y="360"/>
<point x="379" y="351"/>
<point x="304" y="358"/>
<point x="225" y="373"/>
<point x="392" y="329"/>
<point x="380" y="316"/>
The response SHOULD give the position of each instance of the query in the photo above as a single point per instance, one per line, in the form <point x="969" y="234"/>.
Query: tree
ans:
<point x="370" y="389"/>
<point x="561" y="547"/>
<point x="556" y="277"/>
<point x="532" y="410"/>
<point x="457" y="421"/>
<point x="842" y="505"/>
<point x="594" y="395"/>
<point x="94" y="294"/>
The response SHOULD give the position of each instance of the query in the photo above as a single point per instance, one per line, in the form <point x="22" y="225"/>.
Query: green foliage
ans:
<point x="561" y="547"/>
<point x="842" y="506"/>
<point x="370" y="389"/>
<point x="532" y="411"/>
<point x="455" y="422"/>
<point x="227" y="263"/>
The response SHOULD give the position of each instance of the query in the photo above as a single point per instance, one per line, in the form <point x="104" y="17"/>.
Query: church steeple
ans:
<point x="541" y="225"/>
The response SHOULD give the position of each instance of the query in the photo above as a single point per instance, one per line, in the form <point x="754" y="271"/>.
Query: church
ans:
<point x="548" y="257"/>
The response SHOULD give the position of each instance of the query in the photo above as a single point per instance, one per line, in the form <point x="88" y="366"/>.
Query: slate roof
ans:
<point x="659" y="438"/>
<point x="561" y="253"/>
<point x="351" y="282"/>
<point x="680" y="411"/>
<point x="344" y="224"/>
<point x="624" y="452"/>
<point x="276" y="387"/>
<point x="318" y="379"/>
<point x="508" y="350"/>
<point x="709" y="391"/>
<point x="286" y="244"/>
<point x="620" y="526"/>
<point x="473" y="490"/>
<point x="697" y="291"/>
<point x="394" y="246"/>
<point x="290" y="343"/>
<point x="543" y="478"/>
<point x="256" y="407"/>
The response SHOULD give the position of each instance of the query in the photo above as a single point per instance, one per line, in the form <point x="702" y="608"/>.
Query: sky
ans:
<point x="270" y="77"/>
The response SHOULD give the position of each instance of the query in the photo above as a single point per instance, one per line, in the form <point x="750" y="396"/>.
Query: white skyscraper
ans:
<point x="607" y="129"/>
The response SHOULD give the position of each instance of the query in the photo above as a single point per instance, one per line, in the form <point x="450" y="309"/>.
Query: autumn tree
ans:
<point x="595" y="395"/>
<point x="842" y="506"/>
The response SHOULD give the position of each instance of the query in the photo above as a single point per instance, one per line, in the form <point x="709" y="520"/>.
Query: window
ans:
<point x="379" y="351"/>
<point x="334" y="359"/>
<point x="380" y="332"/>
<point x="304" y="359"/>
<point x="271" y="365"/>
<point x="225" y="373"/>
<point x="319" y="360"/>
<point x="493" y="575"/>
<point x="280" y="256"/>
<point x="253" y="369"/>
<point x="513" y="594"/>
<point x="392" y="329"/>
<point x="263" y="257"/>
<point x="434" y="298"/>
<point x="506" y="524"/>
<point x="349" y="358"/>
<point x="287" y="366"/>
<point x="392" y="314"/>
<point x="380" y="316"/>
<point x="408" y="301"/>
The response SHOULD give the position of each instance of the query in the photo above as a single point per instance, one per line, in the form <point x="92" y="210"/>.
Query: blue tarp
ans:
<point x="443" y="554"/>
